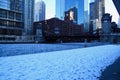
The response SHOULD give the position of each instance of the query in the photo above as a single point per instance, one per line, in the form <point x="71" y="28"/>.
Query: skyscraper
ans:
<point x="91" y="10"/>
<point x="80" y="8"/>
<point x="97" y="9"/>
<point x="93" y="21"/>
<point x="60" y="9"/>
<point x="40" y="9"/>
<point x="28" y="16"/>
<point x="65" y="5"/>
<point x="86" y="21"/>
<point x="11" y="18"/>
<point x="71" y="15"/>
<point x="86" y="15"/>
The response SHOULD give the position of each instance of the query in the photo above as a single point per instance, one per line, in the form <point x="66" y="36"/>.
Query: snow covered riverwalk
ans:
<point x="74" y="64"/>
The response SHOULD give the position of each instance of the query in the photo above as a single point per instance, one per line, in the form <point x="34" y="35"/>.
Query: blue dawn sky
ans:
<point x="50" y="8"/>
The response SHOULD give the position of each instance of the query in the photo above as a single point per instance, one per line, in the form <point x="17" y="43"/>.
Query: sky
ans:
<point x="110" y="8"/>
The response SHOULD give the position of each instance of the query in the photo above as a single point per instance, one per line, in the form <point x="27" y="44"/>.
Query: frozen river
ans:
<point x="20" y="49"/>
<point x="76" y="64"/>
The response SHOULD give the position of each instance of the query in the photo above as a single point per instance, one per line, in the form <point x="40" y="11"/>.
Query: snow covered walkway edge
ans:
<point x="75" y="64"/>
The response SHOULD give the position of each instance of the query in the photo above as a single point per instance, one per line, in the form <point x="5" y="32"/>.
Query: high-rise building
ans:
<point x="80" y="8"/>
<point x="86" y="15"/>
<point x="60" y="9"/>
<point x="64" y="5"/>
<point x="91" y="10"/>
<point x="93" y="21"/>
<point x="86" y="21"/>
<point x="40" y="9"/>
<point x="71" y="15"/>
<point x="97" y="9"/>
<point x="28" y="16"/>
<point x="11" y="18"/>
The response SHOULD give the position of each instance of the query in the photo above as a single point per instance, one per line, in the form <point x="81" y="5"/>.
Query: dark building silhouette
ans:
<point x="56" y="29"/>
<point x="106" y="23"/>
<point x="115" y="28"/>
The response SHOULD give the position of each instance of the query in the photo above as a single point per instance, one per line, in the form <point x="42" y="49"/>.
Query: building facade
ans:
<point x="64" y="5"/>
<point x="58" y="30"/>
<point x="91" y="10"/>
<point x="79" y="5"/>
<point x="11" y="18"/>
<point x="86" y="21"/>
<point x="40" y="9"/>
<point x="97" y="10"/>
<point x="60" y="9"/>
<point x="71" y="15"/>
<point x="106" y="24"/>
<point x="28" y="17"/>
<point x="86" y="15"/>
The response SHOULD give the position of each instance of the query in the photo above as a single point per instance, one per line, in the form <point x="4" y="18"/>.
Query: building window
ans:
<point x="3" y="13"/>
<point x="18" y="17"/>
<point x="3" y="23"/>
<point x="57" y="30"/>
<point x="11" y="15"/>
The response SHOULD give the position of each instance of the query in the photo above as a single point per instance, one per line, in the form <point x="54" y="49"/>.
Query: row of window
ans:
<point x="10" y="32"/>
<point x="5" y="4"/>
<point x="10" y="15"/>
<point x="15" y="5"/>
<point x="11" y="23"/>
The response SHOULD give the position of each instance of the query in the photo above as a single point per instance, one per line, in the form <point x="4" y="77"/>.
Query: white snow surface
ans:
<point x="74" y="64"/>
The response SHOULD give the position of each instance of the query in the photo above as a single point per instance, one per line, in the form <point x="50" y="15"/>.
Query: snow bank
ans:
<point x="75" y="64"/>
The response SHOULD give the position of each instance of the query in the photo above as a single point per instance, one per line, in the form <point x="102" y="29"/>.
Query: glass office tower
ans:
<point x="40" y="11"/>
<point x="86" y="15"/>
<point x="79" y="4"/>
<point x="64" y="5"/>
<point x="60" y="9"/>
<point x="28" y="17"/>
<point x="16" y="17"/>
<point x="5" y="4"/>
<point x="11" y="17"/>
